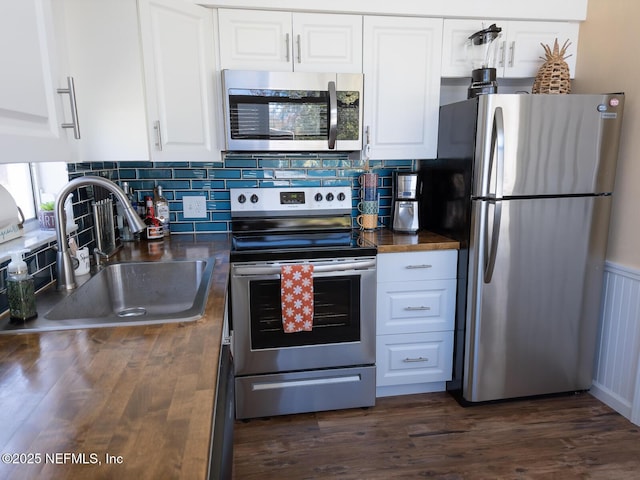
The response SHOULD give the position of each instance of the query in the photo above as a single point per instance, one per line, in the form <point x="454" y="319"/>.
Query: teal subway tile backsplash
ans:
<point x="190" y="173"/>
<point x="213" y="180"/>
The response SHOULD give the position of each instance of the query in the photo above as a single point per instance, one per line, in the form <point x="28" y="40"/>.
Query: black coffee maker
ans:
<point x="482" y="50"/>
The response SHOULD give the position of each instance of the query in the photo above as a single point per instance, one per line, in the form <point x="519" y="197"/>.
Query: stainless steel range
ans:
<point x="330" y="364"/>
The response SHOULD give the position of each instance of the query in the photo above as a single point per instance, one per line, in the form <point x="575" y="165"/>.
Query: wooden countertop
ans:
<point x="140" y="396"/>
<point x="388" y="241"/>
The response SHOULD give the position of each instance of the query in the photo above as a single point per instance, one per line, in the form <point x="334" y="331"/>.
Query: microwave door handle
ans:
<point x="333" y="115"/>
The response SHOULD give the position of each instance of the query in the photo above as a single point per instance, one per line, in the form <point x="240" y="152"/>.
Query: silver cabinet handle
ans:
<point x="502" y="54"/>
<point x="414" y="360"/>
<point x="512" y="53"/>
<point x="333" y="115"/>
<point x="286" y="46"/>
<point x="71" y="91"/>
<point x="299" y="49"/>
<point x="413" y="267"/>
<point x="156" y="127"/>
<point x="417" y="309"/>
<point x="367" y="145"/>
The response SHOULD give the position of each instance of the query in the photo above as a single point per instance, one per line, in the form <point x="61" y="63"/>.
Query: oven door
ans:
<point x="343" y="326"/>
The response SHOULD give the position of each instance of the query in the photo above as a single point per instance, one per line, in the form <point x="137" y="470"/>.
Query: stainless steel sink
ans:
<point x="128" y="293"/>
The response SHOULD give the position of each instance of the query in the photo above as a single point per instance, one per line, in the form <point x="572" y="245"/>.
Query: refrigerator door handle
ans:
<point x="491" y="247"/>
<point x="496" y="160"/>
<point x="497" y="150"/>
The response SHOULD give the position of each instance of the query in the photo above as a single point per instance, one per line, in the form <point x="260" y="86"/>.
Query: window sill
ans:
<point x="32" y="238"/>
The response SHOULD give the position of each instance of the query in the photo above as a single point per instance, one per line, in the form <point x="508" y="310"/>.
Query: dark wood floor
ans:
<point x="431" y="436"/>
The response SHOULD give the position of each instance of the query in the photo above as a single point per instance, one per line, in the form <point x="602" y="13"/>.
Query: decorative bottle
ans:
<point x="154" y="230"/>
<point x="162" y="209"/>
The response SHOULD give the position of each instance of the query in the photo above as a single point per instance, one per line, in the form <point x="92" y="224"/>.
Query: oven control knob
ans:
<point x="254" y="198"/>
<point x="318" y="197"/>
<point x="341" y="197"/>
<point x="242" y="198"/>
<point x="329" y="197"/>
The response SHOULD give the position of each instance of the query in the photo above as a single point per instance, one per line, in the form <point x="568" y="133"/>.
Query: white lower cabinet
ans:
<point x="414" y="358"/>
<point x="415" y="321"/>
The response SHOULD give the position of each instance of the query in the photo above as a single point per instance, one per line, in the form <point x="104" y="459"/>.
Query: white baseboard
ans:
<point x="393" y="390"/>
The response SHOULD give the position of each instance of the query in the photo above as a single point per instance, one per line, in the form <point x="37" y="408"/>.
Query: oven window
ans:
<point x="336" y="313"/>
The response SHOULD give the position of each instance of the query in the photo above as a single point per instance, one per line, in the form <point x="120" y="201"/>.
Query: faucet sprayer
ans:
<point x="66" y="279"/>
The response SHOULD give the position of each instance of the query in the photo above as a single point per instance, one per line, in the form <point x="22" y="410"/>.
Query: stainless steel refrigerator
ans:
<point x="525" y="183"/>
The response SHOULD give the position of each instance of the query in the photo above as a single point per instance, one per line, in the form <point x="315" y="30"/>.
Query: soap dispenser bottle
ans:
<point x="20" y="289"/>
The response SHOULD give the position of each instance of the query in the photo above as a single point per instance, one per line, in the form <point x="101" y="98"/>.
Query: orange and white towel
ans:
<point x="296" y="294"/>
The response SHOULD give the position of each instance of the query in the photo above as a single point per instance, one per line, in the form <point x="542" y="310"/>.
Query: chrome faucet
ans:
<point x="66" y="279"/>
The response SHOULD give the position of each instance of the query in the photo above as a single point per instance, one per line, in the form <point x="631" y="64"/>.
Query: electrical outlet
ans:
<point x="194" y="207"/>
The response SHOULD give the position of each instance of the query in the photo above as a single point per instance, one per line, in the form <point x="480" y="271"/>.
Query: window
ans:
<point x="16" y="178"/>
<point x="33" y="183"/>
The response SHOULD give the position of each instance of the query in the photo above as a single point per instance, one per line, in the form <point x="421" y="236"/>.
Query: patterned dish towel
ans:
<point x="296" y="294"/>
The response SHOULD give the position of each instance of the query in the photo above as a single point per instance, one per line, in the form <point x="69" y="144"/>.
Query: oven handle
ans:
<point x="275" y="269"/>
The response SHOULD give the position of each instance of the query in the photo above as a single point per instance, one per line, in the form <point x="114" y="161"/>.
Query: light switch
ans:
<point x="194" y="207"/>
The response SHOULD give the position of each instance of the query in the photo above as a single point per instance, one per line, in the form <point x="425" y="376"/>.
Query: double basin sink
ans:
<point x="128" y="293"/>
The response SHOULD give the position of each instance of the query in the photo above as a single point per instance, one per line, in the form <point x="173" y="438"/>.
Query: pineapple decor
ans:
<point x="553" y="75"/>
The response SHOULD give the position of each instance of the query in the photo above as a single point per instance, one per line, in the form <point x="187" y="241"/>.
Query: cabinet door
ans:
<point x="520" y="53"/>
<point x="416" y="266"/>
<point x="401" y="64"/>
<point x="408" y="307"/>
<point x="179" y="69"/>
<point x="31" y="110"/>
<point x="523" y="54"/>
<point x="327" y="43"/>
<point x="105" y="58"/>
<point x="454" y="51"/>
<point x="414" y="358"/>
<point x="255" y="40"/>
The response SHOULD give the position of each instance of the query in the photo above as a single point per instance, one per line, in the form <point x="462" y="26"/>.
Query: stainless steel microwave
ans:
<point x="285" y="111"/>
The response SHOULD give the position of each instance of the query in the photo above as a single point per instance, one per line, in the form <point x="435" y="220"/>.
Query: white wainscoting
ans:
<point x="617" y="374"/>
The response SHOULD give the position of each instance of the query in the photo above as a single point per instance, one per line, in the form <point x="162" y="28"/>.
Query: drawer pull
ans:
<point x="425" y="265"/>
<point x="413" y="309"/>
<point x="413" y="360"/>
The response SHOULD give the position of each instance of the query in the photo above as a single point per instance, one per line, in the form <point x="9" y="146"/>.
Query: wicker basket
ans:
<point x="553" y="75"/>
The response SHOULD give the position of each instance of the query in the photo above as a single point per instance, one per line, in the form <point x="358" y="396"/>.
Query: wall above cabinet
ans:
<point x="571" y="10"/>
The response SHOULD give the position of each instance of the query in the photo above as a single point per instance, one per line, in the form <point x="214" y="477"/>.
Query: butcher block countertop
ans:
<point x="389" y="241"/>
<point x="120" y="402"/>
<point x="131" y="402"/>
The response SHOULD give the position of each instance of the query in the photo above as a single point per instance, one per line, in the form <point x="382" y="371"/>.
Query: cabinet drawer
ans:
<point x="409" y="266"/>
<point x="414" y="358"/>
<point x="424" y="306"/>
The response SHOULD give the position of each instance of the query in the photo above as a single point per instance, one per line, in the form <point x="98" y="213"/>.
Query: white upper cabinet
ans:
<point x="520" y="53"/>
<point x="284" y="41"/>
<point x="33" y="64"/>
<point x="145" y="78"/>
<point x="401" y="63"/>
<point x="523" y="54"/>
<point x="105" y="59"/>
<point x="180" y="80"/>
